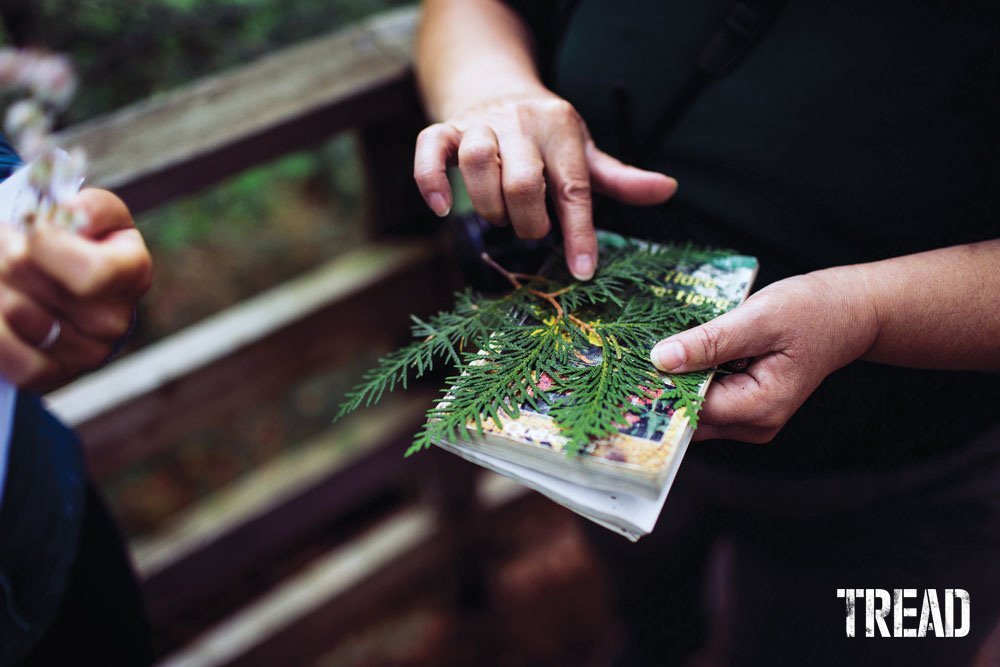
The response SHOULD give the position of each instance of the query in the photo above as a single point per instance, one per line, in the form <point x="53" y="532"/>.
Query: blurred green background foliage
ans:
<point x="126" y="50"/>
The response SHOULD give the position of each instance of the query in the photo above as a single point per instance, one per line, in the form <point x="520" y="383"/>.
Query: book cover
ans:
<point x="648" y="445"/>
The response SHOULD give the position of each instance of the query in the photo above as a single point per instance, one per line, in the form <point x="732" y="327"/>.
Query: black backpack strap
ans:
<point x="745" y="23"/>
<point x="741" y="28"/>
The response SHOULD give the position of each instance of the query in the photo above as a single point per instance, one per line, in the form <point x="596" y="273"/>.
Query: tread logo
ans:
<point x="900" y="604"/>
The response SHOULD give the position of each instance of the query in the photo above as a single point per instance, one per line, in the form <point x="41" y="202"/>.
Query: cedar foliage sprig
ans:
<point x="502" y="346"/>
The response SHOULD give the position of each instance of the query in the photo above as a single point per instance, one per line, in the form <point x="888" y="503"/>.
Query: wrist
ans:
<point x="853" y="299"/>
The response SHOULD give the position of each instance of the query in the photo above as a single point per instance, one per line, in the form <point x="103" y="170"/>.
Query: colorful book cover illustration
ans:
<point x="646" y="444"/>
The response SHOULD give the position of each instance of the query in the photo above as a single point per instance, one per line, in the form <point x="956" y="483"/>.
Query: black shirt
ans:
<point x="851" y="132"/>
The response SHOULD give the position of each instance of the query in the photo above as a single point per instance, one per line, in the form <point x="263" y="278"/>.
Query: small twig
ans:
<point x="513" y="278"/>
<point x="502" y="271"/>
<point x="551" y="299"/>
<point x="583" y="325"/>
<point x="529" y="276"/>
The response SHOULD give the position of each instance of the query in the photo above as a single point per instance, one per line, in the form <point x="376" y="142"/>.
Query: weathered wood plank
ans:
<point x="198" y="135"/>
<point x="272" y="630"/>
<point x="243" y="526"/>
<point x="228" y="331"/>
<point x="140" y="404"/>
<point x="302" y="595"/>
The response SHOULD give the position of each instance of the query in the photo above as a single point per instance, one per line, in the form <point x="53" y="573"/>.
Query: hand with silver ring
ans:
<point x="67" y="298"/>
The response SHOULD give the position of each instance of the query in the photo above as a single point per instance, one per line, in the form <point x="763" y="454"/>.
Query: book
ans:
<point x="620" y="481"/>
<point x="554" y="386"/>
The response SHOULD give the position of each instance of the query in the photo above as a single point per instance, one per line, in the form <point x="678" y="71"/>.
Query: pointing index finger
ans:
<point x="566" y="166"/>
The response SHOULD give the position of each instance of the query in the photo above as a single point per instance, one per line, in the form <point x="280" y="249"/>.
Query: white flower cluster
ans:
<point x="54" y="176"/>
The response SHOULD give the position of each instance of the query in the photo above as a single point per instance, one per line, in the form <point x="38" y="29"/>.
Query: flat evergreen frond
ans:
<point x="684" y="393"/>
<point x="502" y="377"/>
<point x="393" y="370"/>
<point x="599" y="395"/>
<point x="590" y="341"/>
<point x="442" y="336"/>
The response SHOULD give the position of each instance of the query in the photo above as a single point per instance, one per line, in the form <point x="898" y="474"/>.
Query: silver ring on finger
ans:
<point x="52" y="336"/>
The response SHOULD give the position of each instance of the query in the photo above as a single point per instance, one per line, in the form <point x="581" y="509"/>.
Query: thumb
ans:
<point x="740" y="333"/>
<point x="105" y="212"/>
<point x="631" y="185"/>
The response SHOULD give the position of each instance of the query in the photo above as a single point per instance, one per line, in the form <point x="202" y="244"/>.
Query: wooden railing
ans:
<point x="177" y="144"/>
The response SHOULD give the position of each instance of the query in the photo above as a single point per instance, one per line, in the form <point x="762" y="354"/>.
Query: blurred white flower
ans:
<point x="51" y="79"/>
<point x="27" y="116"/>
<point x="54" y="176"/>
<point x="34" y="144"/>
<point x="67" y="174"/>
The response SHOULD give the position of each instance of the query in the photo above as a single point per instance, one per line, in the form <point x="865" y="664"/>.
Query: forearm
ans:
<point x="938" y="309"/>
<point x="470" y="51"/>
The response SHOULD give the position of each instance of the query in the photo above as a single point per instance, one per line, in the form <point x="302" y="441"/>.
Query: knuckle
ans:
<point x="119" y="323"/>
<point x="424" y="134"/>
<point x="772" y="422"/>
<point x="525" y="184"/>
<point x="430" y="133"/>
<point x="560" y="109"/>
<point x="763" y="437"/>
<point x="93" y="283"/>
<point x="424" y="173"/>
<point x="708" y="341"/>
<point x="129" y="276"/>
<point x="15" y="264"/>
<point x="112" y="325"/>
<point x="144" y="279"/>
<point x="771" y="415"/>
<point x="477" y="153"/>
<point x="8" y="304"/>
<point x="528" y="112"/>
<point x="493" y="215"/>
<point x="547" y="113"/>
<point x="18" y="315"/>
<point x="575" y="191"/>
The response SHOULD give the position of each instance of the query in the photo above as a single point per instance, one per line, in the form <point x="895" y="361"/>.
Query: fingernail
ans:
<point x="668" y="355"/>
<point x="583" y="267"/>
<point x="438" y="204"/>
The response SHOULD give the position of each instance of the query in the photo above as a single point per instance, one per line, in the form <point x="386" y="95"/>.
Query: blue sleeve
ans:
<point x="9" y="159"/>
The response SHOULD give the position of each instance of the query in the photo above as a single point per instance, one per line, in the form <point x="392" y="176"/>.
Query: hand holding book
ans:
<point x="797" y="331"/>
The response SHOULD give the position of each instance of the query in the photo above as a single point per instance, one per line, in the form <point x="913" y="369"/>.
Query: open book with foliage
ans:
<point x="554" y="376"/>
